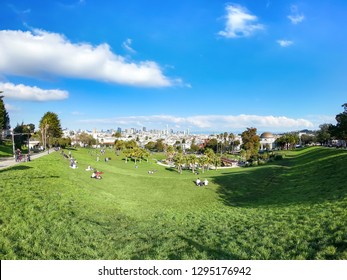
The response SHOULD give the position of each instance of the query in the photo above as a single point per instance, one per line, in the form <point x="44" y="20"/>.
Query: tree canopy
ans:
<point x="4" y="117"/>
<point x="251" y="141"/>
<point x="50" y="127"/>
<point x="339" y="130"/>
<point x="22" y="134"/>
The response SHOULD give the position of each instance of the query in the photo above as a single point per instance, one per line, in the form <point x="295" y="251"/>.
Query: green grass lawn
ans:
<point x="295" y="208"/>
<point x="6" y="149"/>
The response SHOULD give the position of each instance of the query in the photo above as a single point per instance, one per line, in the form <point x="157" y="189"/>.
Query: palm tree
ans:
<point x="170" y="151"/>
<point x="203" y="161"/>
<point x="231" y="140"/>
<point x="179" y="160"/>
<point x="191" y="160"/>
<point x="217" y="161"/>
<point x="210" y="156"/>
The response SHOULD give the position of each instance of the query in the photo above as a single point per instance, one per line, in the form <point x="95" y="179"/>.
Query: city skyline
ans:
<point x="206" y="66"/>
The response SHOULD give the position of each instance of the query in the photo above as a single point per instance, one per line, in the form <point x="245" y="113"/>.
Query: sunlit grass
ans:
<point x="290" y="209"/>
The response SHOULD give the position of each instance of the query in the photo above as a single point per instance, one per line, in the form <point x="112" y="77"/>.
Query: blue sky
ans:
<point x="204" y="65"/>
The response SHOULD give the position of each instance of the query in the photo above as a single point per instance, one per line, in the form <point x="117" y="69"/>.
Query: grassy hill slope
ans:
<point x="291" y="209"/>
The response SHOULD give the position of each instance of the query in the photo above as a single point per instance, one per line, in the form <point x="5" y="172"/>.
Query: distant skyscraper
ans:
<point x="144" y="129"/>
<point x="119" y="129"/>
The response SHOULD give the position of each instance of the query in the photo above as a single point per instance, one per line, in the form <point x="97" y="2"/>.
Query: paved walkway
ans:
<point x="8" y="162"/>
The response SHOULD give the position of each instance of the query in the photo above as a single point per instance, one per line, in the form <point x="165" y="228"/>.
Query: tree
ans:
<point x="203" y="161"/>
<point x="64" y="142"/>
<point x="119" y="145"/>
<point x="193" y="147"/>
<point x="212" y="144"/>
<point x="217" y="161"/>
<point x="306" y="139"/>
<point x="118" y="134"/>
<point x="231" y="138"/>
<point x="179" y="160"/>
<point x="236" y="143"/>
<point x="4" y="118"/>
<point x="130" y="144"/>
<point x="251" y="142"/>
<point x="170" y="151"/>
<point x="145" y="154"/>
<point x="160" y="145"/>
<point x="339" y="131"/>
<point x="22" y="132"/>
<point x="209" y="153"/>
<point x="86" y="139"/>
<point x="287" y="141"/>
<point x="136" y="153"/>
<point x="323" y="134"/>
<point x="191" y="161"/>
<point x="150" y="146"/>
<point x="127" y="153"/>
<point x="50" y="128"/>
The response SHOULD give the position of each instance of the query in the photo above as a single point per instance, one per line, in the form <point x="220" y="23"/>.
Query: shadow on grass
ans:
<point x="213" y="253"/>
<point x="315" y="176"/>
<point x="14" y="168"/>
<point x="191" y="247"/>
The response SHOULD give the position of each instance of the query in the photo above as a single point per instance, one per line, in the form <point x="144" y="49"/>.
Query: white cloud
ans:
<point x="23" y="92"/>
<point x="36" y="53"/>
<point x="284" y="43"/>
<point x="320" y="119"/>
<point x="239" y="22"/>
<point x="11" y="108"/>
<point x="209" y="122"/>
<point x="17" y="11"/>
<point x="127" y="45"/>
<point x="295" y="17"/>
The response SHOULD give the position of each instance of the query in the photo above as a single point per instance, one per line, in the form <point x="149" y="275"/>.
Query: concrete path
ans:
<point x="8" y="162"/>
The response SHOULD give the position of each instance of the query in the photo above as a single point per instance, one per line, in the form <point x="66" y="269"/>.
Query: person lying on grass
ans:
<point x="96" y="175"/>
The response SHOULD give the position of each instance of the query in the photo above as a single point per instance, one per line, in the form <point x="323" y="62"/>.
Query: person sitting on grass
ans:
<point x="205" y="182"/>
<point x="89" y="168"/>
<point x="96" y="175"/>
<point x="198" y="182"/>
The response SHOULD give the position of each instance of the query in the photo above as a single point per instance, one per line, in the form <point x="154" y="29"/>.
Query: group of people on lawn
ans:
<point x="19" y="156"/>
<point x="73" y="164"/>
<point x="201" y="183"/>
<point x="96" y="174"/>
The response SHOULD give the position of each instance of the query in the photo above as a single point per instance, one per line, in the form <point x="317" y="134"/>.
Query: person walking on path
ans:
<point x="11" y="162"/>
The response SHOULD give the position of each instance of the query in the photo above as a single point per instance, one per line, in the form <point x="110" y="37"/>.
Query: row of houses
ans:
<point x="267" y="139"/>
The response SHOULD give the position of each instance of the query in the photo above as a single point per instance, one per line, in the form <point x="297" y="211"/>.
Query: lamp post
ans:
<point x="13" y="144"/>
<point x="13" y="147"/>
<point x="28" y="139"/>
